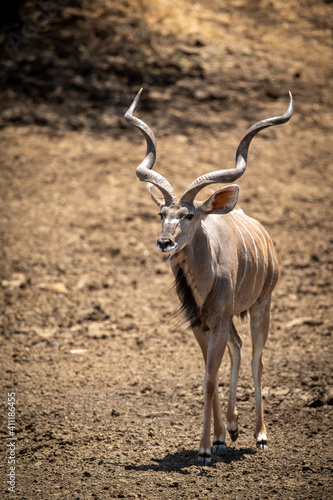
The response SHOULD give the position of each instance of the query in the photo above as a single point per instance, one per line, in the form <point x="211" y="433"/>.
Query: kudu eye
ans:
<point x="161" y="215"/>
<point x="189" y="216"/>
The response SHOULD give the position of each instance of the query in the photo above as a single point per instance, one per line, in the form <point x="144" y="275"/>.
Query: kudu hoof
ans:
<point x="204" y="459"/>
<point x="234" y="434"/>
<point x="219" y="448"/>
<point x="262" y="445"/>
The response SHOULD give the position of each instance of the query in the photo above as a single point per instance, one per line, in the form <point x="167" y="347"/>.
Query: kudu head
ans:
<point x="181" y="217"/>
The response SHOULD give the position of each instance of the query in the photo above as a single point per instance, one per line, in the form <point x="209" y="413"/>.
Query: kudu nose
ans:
<point x="163" y="244"/>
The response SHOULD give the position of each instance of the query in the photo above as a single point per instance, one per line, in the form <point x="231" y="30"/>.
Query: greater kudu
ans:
<point x="224" y="265"/>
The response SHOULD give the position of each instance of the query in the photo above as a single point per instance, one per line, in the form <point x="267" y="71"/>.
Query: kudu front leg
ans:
<point x="216" y="343"/>
<point x="219" y="446"/>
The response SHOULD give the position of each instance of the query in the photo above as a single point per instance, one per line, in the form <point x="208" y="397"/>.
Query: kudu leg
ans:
<point x="219" y="446"/>
<point x="260" y="315"/>
<point x="235" y="347"/>
<point x="216" y="342"/>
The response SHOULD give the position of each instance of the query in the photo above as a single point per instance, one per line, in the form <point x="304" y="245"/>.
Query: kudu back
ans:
<point x="224" y="265"/>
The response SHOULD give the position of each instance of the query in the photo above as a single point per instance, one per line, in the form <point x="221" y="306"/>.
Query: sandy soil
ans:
<point x="107" y="386"/>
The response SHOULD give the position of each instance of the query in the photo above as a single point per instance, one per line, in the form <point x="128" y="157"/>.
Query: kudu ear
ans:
<point x="155" y="195"/>
<point x="222" y="201"/>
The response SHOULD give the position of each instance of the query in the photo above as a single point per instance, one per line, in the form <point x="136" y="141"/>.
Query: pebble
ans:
<point x="16" y="280"/>
<point x="54" y="287"/>
<point x="304" y="321"/>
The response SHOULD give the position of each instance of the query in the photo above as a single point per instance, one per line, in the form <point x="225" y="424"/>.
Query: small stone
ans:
<point x="98" y="330"/>
<point x="78" y="351"/>
<point x="280" y="391"/>
<point x="201" y="94"/>
<point x="315" y="403"/>
<point x="45" y="333"/>
<point x="304" y="321"/>
<point x="17" y="280"/>
<point x="54" y="287"/>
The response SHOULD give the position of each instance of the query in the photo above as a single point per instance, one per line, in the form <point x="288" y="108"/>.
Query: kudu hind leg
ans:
<point x="235" y="351"/>
<point x="260" y="315"/>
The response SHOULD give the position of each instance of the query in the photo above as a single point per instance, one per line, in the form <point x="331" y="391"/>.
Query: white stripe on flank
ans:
<point x="273" y="263"/>
<point x="245" y="249"/>
<point x="255" y="249"/>
<point x="262" y="245"/>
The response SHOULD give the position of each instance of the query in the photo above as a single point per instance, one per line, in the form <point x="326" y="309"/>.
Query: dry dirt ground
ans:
<point x="107" y="386"/>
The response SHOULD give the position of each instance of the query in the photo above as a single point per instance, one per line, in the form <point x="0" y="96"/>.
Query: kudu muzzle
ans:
<point x="166" y="245"/>
<point x="166" y="242"/>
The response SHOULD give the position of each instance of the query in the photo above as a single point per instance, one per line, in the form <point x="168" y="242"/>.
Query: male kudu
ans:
<point x="224" y="265"/>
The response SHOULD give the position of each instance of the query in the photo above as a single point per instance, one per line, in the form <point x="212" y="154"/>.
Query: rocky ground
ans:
<point x="107" y="385"/>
